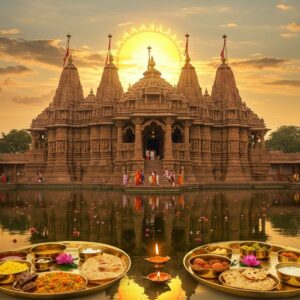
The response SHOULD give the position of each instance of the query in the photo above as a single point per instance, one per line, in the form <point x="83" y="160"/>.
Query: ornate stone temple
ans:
<point x="210" y="137"/>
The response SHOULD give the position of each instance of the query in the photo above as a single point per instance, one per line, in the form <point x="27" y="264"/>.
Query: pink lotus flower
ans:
<point x="250" y="260"/>
<point x="64" y="259"/>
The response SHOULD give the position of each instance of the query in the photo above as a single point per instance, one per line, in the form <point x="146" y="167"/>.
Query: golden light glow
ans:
<point x="132" y="57"/>
<point x="156" y="249"/>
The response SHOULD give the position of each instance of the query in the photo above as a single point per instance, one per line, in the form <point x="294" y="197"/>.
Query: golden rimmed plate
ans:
<point x="72" y="248"/>
<point x="281" y="291"/>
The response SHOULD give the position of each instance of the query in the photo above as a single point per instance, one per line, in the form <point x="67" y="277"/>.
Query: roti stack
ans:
<point x="101" y="268"/>
<point x="249" y="279"/>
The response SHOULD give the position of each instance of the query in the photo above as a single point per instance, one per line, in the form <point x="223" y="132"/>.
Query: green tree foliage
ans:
<point x="285" y="138"/>
<point x="15" y="141"/>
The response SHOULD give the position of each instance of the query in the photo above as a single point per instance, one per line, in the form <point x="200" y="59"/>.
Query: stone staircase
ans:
<point x="153" y="166"/>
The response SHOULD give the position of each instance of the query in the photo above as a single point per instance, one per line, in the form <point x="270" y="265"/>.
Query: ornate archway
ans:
<point x="153" y="138"/>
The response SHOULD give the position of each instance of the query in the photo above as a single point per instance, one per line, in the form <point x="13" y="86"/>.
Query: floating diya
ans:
<point x="158" y="260"/>
<point x="159" y="277"/>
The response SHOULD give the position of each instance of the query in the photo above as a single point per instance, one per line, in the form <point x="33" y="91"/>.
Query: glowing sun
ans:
<point x="132" y="54"/>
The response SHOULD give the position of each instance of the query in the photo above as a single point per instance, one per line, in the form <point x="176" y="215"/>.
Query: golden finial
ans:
<point x="224" y="50"/>
<point x="109" y="57"/>
<point x="70" y="60"/>
<point x="149" y="52"/>
<point x="186" y="52"/>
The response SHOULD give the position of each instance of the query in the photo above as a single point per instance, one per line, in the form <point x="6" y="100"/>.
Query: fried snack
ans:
<point x="102" y="267"/>
<point x="236" y="278"/>
<point x="255" y="274"/>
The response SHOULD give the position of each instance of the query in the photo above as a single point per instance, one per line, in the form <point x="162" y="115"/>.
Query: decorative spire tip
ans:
<point x="186" y="52"/>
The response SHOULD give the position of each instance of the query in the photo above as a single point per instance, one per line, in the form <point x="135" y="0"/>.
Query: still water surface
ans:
<point x="135" y="223"/>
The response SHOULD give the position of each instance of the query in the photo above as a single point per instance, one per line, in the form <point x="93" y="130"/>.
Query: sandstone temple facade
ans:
<point x="211" y="137"/>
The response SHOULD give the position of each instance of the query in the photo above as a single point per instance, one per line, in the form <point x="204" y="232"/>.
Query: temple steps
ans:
<point x="153" y="166"/>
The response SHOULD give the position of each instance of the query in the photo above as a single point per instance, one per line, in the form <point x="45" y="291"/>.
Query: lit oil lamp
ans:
<point x="159" y="277"/>
<point x="157" y="260"/>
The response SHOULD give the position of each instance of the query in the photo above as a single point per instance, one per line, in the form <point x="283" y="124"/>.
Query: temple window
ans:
<point x="129" y="136"/>
<point x="177" y="136"/>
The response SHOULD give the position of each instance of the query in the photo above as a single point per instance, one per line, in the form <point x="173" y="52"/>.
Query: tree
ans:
<point x="15" y="141"/>
<point x="285" y="138"/>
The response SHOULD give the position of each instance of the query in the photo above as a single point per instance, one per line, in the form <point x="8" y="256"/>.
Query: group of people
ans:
<point x="170" y="175"/>
<point x="153" y="178"/>
<point x="150" y="154"/>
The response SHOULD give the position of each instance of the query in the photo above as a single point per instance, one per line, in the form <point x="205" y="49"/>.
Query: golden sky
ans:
<point x="263" y="49"/>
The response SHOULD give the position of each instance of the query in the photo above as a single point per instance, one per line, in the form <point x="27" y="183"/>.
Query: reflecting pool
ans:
<point x="135" y="223"/>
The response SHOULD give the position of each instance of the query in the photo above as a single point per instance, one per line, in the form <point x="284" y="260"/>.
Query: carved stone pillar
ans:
<point x="138" y="140"/>
<point x="187" y="140"/>
<point x="168" y="138"/>
<point x="119" y="141"/>
<point x="206" y="153"/>
<point x="233" y="169"/>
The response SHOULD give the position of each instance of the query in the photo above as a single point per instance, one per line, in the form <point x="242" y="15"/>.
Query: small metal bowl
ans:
<point x="85" y="256"/>
<point x="42" y="264"/>
<point x="209" y="273"/>
<point x="13" y="255"/>
<point x="283" y="258"/>
<point x="47" y="250"/>
<point x="11" y="277"/>
<point x="292" y="280"/>
<point x="211" y="249"/>
<point x="260" y="254"/>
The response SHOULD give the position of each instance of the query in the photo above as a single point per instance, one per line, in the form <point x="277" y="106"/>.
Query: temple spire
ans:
<point x="109" y="57"/>
<point x="110" y="88"/>
<point x="186" y="52"/>
<point x="188" y="83"/>
<point x="223" y="53"/>
<point x="224" y="91"/>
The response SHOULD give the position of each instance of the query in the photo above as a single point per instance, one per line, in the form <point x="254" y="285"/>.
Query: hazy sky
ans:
<point x="263" y="48"/>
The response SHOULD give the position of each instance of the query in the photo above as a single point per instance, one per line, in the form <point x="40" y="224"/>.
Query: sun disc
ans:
<point x="132" y="56"/>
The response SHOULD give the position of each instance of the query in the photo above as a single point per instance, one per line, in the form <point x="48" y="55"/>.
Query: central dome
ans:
<point x="150" y="84"/>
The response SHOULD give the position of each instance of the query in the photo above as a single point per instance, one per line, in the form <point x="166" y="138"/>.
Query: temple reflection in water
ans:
<point x="133" y="222"/>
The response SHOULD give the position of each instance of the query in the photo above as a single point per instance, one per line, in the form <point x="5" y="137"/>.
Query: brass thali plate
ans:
<point x="281" y="291"/>
<point x="72" y="248"/>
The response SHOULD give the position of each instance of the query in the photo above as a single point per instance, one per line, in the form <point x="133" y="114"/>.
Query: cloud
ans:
<point x="293" y="83"/>
<point x="125" y="24"/>
<point x="288" y="35"/>
<point x="14" y="70"/>
<point x="47" y="52"/>
<point x="9" y="31"/>
<point x="229" y="25"/>
<point x="293" y="27"/>
<point x="260" y="63"/>
<point x="196" y="10"/>
<point x="34" y="100"/>
<point x="283" y="6"/>
<point x="191" y="10"/>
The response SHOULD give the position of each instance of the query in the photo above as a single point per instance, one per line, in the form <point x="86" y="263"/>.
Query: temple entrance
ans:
<point x="153" y="138"/>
